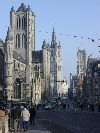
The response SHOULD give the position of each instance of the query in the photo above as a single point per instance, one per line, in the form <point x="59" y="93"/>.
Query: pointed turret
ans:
<point x="53" y="43"/>
<point x="59" y="44"/>
<point x="29" y="8"/>
<point x="44" y="43"/>
<point x="9" y="36"/>
<point x="12" y="9"/>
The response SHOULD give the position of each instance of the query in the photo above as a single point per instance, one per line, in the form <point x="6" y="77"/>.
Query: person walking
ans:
<point x="32" y="112"/>
<point x="16" y="115"/>
<point x="25" y="115"/>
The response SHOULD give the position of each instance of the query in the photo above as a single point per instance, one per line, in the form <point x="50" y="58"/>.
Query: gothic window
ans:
<point x="25" y="41"/>
<point x="14" y="63"/>
<point x="23" y="23"/>
<point x="22" y="41"/>
<point x="18" y="40"/>
<point x="17" y="23"/>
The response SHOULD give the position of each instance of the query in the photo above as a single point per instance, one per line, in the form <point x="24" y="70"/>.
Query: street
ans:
<point x="60" y="121"/>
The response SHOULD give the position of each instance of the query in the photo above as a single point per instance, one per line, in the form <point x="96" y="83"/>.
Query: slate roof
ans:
<point x="37" y="56"/>
<point x="18" y="57"/>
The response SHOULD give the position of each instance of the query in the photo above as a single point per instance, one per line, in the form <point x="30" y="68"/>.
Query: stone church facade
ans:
<point x="30" y="75"/>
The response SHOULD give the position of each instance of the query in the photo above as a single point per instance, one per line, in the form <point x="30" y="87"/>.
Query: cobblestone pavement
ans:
<point x="62" y="121"/>
<point x="37" y="128"/>
<point x="82" y="122"/>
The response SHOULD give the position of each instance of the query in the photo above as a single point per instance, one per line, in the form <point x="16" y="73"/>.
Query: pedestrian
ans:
<point x="16" y="116"/>
<point x="8" y="112"/>
<point x="32" y="112"/>
<point x="25" y="115"/>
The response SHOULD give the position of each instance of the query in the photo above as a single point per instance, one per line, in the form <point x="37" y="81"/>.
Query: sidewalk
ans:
<point x="37" y="128"/>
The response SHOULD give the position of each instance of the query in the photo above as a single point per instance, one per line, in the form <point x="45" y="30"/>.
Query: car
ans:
<point x="48" y="107"/>
<point x="53" y="104"/>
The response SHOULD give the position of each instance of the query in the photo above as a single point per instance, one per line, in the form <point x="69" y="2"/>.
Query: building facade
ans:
<point x="81" y="68"/>
<point x="30" y="75"/>
<point x="92" y="82"/>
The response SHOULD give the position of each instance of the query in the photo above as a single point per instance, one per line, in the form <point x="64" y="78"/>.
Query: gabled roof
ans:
<point x="37" y="56"/>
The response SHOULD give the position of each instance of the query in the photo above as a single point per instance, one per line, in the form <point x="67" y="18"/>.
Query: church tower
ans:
<point x="20" y="42"/>
<point x="22" y="24"/>
<point x="56" y="63"/>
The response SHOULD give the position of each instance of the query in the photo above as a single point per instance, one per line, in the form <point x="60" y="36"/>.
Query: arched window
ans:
<point x="25" y="41"/>
<point x="22" y="41"/>
<point x="17" y="23"/>
<point x="18" y="40"/>
<point x="23" y="23"/>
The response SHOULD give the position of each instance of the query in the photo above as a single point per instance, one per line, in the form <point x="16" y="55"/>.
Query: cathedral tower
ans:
<point x="56" y="65"/>
<point x="22" y="24"/>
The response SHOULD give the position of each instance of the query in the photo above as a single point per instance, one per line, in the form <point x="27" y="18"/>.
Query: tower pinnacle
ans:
<point x="53" y="43"/>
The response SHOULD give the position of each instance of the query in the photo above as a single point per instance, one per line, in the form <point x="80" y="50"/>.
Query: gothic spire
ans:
<point x="12" y="9"/>
<point x="53" y="43"/>
<point x="9" y="36"/>
<point x="44" y="42"/>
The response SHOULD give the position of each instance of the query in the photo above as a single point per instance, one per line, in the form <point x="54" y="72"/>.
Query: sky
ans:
<point x="74" y="21"/>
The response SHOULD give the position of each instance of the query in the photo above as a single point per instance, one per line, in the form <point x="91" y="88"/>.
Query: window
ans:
<point x="18" y="40"/>
<point x="18" y="23"/>
<point x="22" y="41"/>
<point x="25" y="41"/>
<point x="14" y="63"/>
<point x="23" y="22"/>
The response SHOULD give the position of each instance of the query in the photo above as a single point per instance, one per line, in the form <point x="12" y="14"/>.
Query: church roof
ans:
<point x="18" y="57"/>
<point x="37" y="56"/>
<point x="22" y="8"/>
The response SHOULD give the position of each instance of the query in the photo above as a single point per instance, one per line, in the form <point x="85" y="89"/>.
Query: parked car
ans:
<point x="48" y="106"/>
